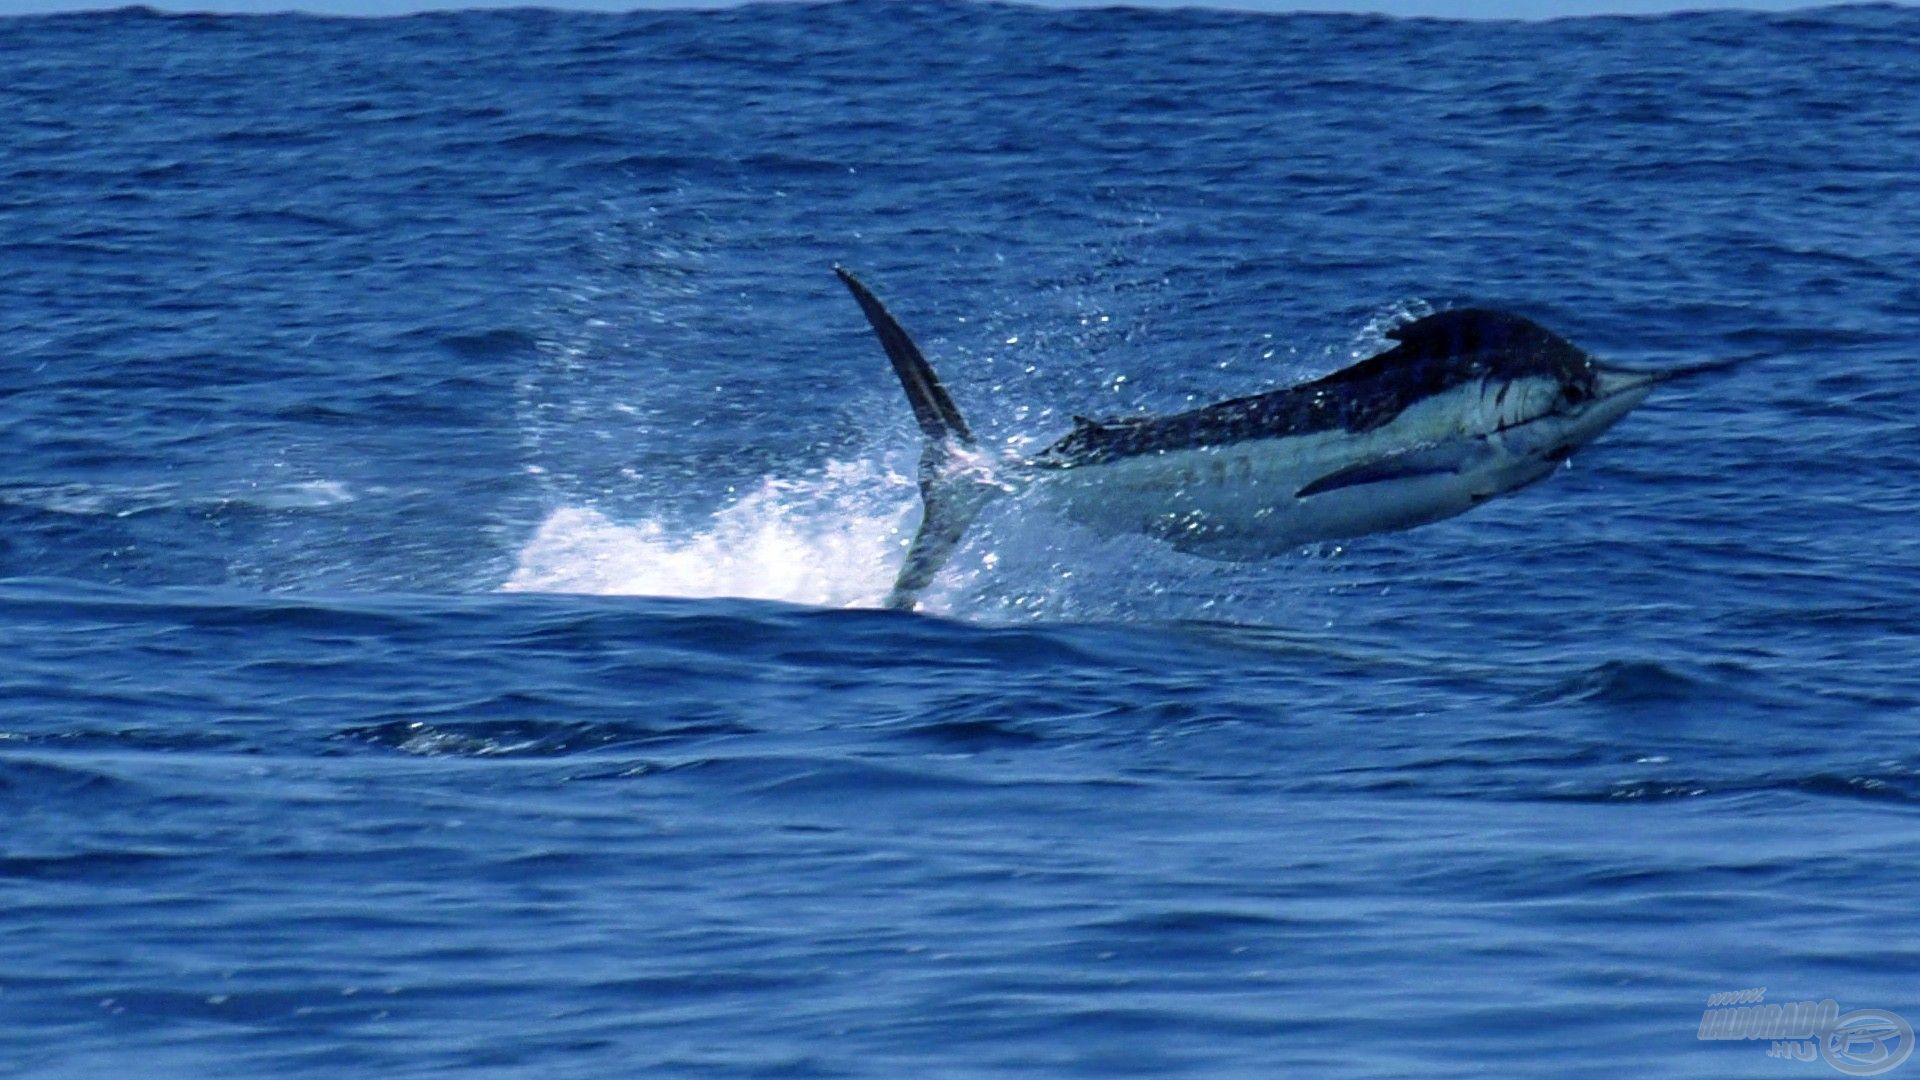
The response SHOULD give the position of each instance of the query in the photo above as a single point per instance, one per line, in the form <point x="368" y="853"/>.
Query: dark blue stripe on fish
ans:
<point x="1432" y="355"/>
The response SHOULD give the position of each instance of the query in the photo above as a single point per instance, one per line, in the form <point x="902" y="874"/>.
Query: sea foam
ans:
<point x="832" y="539"/>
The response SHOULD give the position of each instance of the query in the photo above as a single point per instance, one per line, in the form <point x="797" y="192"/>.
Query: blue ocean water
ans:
<point x="447" y="491"/>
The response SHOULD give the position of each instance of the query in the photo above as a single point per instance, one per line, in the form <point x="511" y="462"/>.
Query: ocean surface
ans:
<point x="447" y="494"/>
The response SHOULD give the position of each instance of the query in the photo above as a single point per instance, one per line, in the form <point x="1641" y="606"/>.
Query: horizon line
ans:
<point x="1450" y="10"/>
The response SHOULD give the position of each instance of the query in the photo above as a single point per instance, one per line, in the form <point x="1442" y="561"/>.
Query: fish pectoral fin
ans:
<point x="1439" y="459"/>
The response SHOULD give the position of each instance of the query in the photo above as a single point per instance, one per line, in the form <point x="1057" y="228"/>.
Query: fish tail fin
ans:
<point x="953" y="490"/>
<point x="939" y="419"/>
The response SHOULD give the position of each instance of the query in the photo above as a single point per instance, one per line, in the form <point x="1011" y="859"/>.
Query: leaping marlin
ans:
<point x="1467" y="405"/>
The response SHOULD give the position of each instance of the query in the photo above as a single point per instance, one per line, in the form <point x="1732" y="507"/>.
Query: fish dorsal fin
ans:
<point x="1467" y="330"/>
<point x="1106" y="423"/>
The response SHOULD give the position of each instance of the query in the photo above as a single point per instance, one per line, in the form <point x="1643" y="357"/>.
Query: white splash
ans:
<point x="831" y="540"/>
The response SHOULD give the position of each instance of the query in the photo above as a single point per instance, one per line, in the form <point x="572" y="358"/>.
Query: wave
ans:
<point x="1625" y="682"/>
<point x="126" y="500"/>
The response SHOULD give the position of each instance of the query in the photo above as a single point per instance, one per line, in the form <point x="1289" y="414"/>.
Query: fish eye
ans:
<point x="1574" y="393"/>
